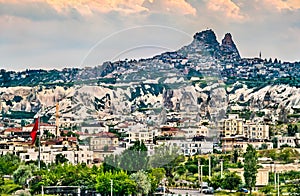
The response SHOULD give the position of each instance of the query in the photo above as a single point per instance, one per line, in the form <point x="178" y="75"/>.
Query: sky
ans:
<point x="54" y="34"/>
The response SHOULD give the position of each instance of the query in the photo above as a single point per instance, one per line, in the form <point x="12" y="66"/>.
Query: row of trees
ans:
<point x="90" y="178"/>
<point x="132" y="172"/>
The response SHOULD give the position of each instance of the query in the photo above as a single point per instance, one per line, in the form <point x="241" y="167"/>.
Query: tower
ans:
<point x="260" y="54"/>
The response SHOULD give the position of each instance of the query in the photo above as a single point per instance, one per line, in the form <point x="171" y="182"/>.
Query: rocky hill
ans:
<point x="205" y="78"/>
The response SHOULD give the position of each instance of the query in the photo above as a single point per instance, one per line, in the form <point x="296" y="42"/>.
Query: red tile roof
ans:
<point x="106" y="134"/>
<point x="13" y="129"/>
<point x="41" y="124"/>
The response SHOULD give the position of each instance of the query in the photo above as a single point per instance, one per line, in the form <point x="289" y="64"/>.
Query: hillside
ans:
<point x="205" y="78"/>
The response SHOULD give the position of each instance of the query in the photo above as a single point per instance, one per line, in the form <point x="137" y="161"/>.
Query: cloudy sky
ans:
<point x="75" y="33"/>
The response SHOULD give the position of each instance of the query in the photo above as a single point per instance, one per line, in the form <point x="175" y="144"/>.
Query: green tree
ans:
<point x="2" y="181"/>
<point x="267" y="189"/>
<point x="235" y="156"/>
<point x="163" y="155"/>
<point x="295" y="129"/>
<point x="9" y="163"/>
<point x="156" y="175"/>
<point x="134" y="158"/>
<point x="285" y="155"/>
<point x="231" y="181"/>
<point x="290" y="130"/>
<point x="250" y="167"/>
<point x="216" y="181"/>
<point x="60" y="158"/>
<point x="264" y="146"/>
<point x="23" y="173"/>
<point x="275" y="142"/>
<point x="143" y="185"/>
<point x="168" y="157"/>
<point x="122" y="184"/>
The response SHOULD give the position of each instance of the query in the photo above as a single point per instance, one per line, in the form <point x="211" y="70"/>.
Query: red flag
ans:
<point x="33" y="133"/>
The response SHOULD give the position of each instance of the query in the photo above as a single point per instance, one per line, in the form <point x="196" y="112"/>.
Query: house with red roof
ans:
<point x="44" y="128"/>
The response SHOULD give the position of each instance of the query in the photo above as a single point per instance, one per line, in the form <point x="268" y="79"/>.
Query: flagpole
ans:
<point x="39" y="155"/>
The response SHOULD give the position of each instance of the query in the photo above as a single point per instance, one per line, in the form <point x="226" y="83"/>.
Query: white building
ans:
<point x="142" y="135"/>
<point x="234" y="125"/>
<point x="256" y="131"/>
<point x="189" y="147"/>
<point x="94" y="128"/>
<point x="44" y="127"/>
<point x="285" y="140"/>
<point x="48" y="154"/>
<point x="195" y="131"/>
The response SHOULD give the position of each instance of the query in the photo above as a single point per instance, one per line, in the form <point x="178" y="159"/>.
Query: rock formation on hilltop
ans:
<point x="197" y="78"/>
<point x="229" y="47"/>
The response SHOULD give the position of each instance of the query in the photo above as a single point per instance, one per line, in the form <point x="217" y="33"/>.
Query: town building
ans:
<point x="44" y="128"/>
<point x="241" y="143"/>
<point x="234" y="125"/>
<point x="189" y="147"/>
<point x="262" y="177"/>
<point x="94" y="128"/>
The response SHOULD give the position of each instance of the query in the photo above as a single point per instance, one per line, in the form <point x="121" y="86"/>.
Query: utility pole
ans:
<point x="201" y="177"/>
<point x="40" y="137"/>
<point x="111" y="187"/>
<point x="278" y="190"/>
<point x="199" y="170"/>
<point x="221" y="168"/>
<point x="274" y="175"/>
<point x="164" y="188"/>
<point x="209" y="167"/>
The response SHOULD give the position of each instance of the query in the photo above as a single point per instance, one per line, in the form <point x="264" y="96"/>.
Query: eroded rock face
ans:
<point x="87" y="101"/>
<point x="228" y="46"/>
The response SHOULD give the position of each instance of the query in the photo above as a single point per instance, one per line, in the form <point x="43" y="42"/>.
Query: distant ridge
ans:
<point x="204" y="77"/>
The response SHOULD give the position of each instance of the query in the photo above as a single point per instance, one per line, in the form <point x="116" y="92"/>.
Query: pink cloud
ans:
<point x="281" y="5"/>
<point x="227" y="7"/>
<point x="89" y="7"/>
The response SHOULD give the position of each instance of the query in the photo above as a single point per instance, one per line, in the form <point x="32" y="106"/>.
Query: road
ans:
<point x="184" y="192"/>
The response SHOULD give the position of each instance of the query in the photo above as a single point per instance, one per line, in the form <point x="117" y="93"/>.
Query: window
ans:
<point x="27" y="156"/>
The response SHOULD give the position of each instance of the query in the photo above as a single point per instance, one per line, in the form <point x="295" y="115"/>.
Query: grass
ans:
<point x="9" y="187"/>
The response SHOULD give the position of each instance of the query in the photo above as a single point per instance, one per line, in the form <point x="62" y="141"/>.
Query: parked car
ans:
<point x="162" y="189"/>
<point x="243" y="190"/>
<point x="207" y="190"/>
